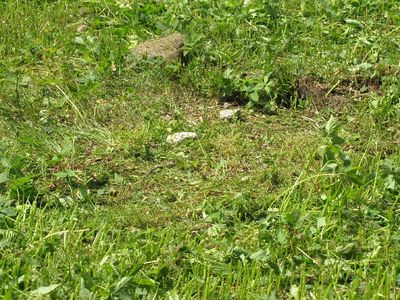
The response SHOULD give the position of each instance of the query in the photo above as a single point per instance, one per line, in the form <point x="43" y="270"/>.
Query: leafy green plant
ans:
<point x="262" y="91"/>
<point x="391" y="176"/>
<point x="192" y="45"/>
<point x="7" y="213"/>
<point x="334" y="158"/>
<point x="17" y="185"/>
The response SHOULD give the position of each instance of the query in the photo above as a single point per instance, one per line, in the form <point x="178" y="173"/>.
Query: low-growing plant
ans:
<point x="260" y="90"/>
<point x="334" y="157"/>
<point x="16" y="184"/>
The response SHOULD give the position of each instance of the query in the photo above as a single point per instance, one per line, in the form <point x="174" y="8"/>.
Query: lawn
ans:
<point x="295" y="198"/>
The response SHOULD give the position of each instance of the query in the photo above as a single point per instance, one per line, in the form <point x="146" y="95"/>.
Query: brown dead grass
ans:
<point x="167" y="47"/>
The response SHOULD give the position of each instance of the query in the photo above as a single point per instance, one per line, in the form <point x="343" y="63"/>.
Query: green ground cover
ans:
<point x="299" y="198"/>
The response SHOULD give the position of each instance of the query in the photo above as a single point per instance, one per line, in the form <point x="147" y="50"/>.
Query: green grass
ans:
<point x="288" y="202"/>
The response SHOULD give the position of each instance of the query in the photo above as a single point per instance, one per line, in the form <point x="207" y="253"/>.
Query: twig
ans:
<point x="331" y="90"/>
<point x="312" y="120"/>
<point x="71" y="103"/>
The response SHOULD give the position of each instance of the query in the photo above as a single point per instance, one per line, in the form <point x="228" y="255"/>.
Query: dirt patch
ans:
<point x="168" y="47"/>
<point x="337" y="96"/>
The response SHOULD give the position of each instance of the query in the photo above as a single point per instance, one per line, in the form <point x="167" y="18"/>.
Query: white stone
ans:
<point x="229" y="114"/>
<point x="180" y="136"/>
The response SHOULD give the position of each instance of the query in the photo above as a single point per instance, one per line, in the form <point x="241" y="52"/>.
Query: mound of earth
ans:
<point x="168" y="47"/>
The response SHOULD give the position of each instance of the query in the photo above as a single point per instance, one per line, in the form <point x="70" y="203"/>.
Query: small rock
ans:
<point x="168" y="47"/>
<point x="82" y="28"/>
<point x="180" y="136"/>
<point x="227" y="104"/>
<point x="229" y="114"/>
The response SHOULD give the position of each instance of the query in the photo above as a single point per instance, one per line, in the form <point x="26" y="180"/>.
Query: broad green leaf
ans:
<point x="254" y="96"/>
<point x="281" y="236"/>
<point x="347" y="250"/>
<point x="70" y="173"/>
<point x="331" y="167"/>
<point x="144" y="282"/>
<point x="336" y="140"/>
<point x="330" y="153"/>
<point x="3" y="177"/>
<point x="44" y="290"/>
<point x="330" y="125"/>
<point x="8" y="211"/>
<point x="345" y="158"/>
<point x="61" y="174"/>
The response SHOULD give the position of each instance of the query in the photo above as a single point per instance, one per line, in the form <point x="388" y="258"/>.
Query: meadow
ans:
<point x="298" y="198"/>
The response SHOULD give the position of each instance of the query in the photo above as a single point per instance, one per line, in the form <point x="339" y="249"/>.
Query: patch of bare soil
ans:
<point x="168" y="47"/>
<point x="337" y="97"/>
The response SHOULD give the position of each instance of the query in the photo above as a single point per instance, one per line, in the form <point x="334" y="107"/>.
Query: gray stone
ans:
<point x="168" y="47"/>
<point x="229" y="114"/>
<point x="180" y="136"/>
